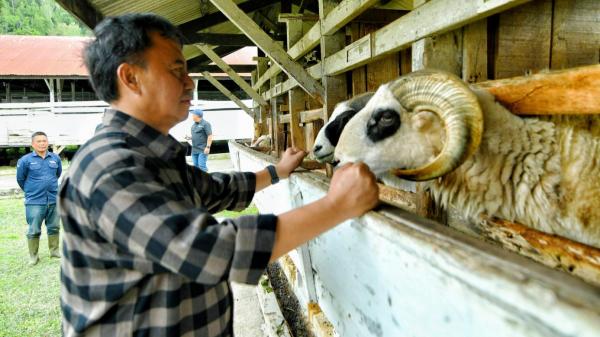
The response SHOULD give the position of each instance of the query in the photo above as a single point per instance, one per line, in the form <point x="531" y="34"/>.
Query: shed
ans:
<point x="412" y="268"/>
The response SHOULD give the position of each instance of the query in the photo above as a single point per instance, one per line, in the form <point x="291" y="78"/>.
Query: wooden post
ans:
<point x="296" y="96"/>
<point x="50" y="85"/>
<point x="73" y="90"/>
<point x="261" y="67"/>
<point x="59" y="85"/>
<point x="8" y="92"/>
<point x="442" y="52"/>
<point x="334" y="86"/>
<point x="475" y="52"/>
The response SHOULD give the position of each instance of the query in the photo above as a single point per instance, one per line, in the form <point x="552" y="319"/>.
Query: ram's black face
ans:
<point x="334" y="129"/>
<point x="382" y="124"/>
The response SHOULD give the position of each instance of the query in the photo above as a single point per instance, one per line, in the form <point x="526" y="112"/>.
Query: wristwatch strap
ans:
<point x="273" y="174"/>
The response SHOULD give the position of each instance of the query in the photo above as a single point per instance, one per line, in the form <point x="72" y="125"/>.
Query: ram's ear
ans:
<point x="423" y="120"/>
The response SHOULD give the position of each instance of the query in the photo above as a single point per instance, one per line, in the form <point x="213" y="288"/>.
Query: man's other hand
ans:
<point x="292" y="157"/>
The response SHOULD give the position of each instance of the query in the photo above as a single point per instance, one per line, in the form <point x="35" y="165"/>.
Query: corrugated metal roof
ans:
<point x="42" y="56"/>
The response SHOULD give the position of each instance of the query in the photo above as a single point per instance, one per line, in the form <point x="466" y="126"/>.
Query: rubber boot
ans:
<point x="33" y="245"/>
<point x="53" y="245"/>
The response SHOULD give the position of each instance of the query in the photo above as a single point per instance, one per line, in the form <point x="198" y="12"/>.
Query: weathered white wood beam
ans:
<point x="227" y="93"/>
<point x="232" y="74"/>
<point x="270" y="47"/>
<point x="337" y="18"/>
<point x="429" y="19"/>
<point x="282" y="88"/>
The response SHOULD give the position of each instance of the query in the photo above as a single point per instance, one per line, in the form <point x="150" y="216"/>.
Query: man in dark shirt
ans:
<point x="37" y="175"/>
<point x="201" y="139"/>
<point x="143" y="254"/>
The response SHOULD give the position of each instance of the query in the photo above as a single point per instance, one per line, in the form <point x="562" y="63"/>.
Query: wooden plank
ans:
<point x="429" y="19"/>
<point x="551" y="250"/>
<point x="270" y="47"/>
<point x="571" y="91"/>
<point x="523" y="40"/>
<point x="311" y="115"/>
<point x="475" y="52"/>
<point x="575" y="33"/>
<point x="227" y="93"/>
<point x="83" y="10"/>
<point x="232" y="74"/>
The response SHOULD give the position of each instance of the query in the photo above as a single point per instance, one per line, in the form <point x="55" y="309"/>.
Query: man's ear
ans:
<point x="127" y="77"/>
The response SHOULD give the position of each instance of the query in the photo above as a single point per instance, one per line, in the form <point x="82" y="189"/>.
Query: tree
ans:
<point x="38" y="17"/>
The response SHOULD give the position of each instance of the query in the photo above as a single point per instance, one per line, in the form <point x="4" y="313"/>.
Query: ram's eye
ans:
<point x="382" y="124"/>
<point x="388" y="117"/>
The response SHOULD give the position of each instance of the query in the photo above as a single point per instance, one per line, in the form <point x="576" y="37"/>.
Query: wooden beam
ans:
<point x="571" y="91"/>
<point x="311" y="115"/>
<point x="282" y="88"/>
<point x="429" y="19"/>
<point x="551" y="250"/>
<point x="270" y="47"/>
<point x="232" y="74"/>
<point x="239" y="40"/>
<point x="82" y="10"/>
<point x="227" y="93"/>
<point x="211" y="68"/>
<point x="216" y="18"/>
<point x="202" y="59"/>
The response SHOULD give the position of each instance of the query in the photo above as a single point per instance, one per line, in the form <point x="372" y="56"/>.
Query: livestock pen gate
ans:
<point x="410" y="269"/>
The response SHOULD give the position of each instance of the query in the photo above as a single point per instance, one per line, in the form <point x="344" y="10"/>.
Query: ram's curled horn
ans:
<point x="448" y="97"/>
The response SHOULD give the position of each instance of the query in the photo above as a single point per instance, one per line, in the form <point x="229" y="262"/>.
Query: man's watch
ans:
<point x="273" y="174"/>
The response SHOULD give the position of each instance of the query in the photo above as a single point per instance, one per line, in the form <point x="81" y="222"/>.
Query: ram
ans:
<point x="474" y="154"/>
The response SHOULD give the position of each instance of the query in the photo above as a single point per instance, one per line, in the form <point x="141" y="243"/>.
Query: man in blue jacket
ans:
<point x="37" y="175"/>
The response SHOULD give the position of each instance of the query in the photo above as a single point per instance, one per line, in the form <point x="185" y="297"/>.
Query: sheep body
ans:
<point x="530" y="171"/>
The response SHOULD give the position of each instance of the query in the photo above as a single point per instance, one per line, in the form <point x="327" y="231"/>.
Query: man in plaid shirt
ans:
<point x="142" y="254"/>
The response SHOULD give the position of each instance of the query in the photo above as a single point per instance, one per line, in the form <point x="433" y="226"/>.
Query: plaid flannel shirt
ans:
<point x="142" y="255"/>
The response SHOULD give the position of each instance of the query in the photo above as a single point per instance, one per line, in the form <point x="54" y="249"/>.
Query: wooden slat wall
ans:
<point x="524" y="38"/>
<point x="576" y="37"/>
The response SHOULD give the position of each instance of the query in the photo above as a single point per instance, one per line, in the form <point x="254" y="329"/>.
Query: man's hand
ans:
<point x="353" y="190"/>
<point x="207" y="150"/>
<point x="292" y="157"/>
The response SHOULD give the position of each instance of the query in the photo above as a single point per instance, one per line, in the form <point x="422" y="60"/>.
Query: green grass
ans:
<point x="29" y="296"/>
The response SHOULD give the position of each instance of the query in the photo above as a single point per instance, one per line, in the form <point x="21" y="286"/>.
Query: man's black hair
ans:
<point x="122" y="39"/>
<point x="38" y="133"/>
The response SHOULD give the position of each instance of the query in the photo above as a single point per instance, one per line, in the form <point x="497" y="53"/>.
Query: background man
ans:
<point x="201" y="139"/>
<point x="143" y="254"/>
<point x="37" y="175"/>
